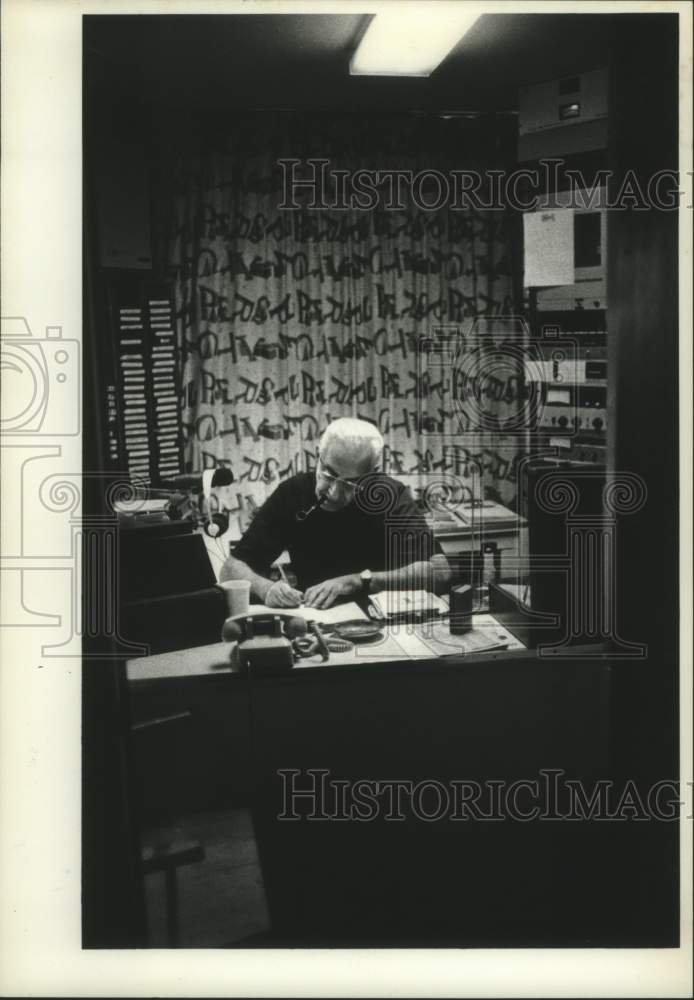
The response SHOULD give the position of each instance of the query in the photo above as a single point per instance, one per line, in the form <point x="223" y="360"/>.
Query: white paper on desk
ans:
<point x="332" y="616"/>
<point x="548" y="242"/>
<point x="486" y="634"/>
<point x="323" y="616"/>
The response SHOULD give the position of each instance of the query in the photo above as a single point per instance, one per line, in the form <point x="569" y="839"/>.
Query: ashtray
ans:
<point x="358" y="631"/>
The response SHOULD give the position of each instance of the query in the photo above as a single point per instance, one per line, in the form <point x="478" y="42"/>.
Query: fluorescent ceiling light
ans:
<point x="410" y="42"/>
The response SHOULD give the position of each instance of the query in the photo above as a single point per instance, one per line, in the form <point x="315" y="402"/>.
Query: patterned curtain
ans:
<point x="288" y="318"/>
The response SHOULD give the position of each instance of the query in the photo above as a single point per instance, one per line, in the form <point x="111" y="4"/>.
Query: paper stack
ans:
<point x="401" y="603"/>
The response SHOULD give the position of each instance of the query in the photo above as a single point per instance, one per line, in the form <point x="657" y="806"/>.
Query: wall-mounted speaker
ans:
<point x="564" y="116"/>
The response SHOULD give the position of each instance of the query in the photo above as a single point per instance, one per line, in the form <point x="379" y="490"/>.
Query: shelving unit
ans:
<point x="572" y="415"/>
<point x="565" y="121"/>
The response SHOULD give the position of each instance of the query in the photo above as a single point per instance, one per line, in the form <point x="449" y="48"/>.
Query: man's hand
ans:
<point x="324" y="595"/>
<point x="280" y="595"/>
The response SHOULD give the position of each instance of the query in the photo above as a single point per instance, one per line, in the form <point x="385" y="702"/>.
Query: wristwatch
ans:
<point x="366" y="575"/>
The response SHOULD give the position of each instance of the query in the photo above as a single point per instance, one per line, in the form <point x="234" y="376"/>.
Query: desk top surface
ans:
<point x="426" y="642"/>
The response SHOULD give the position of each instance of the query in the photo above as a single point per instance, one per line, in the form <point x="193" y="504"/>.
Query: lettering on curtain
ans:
<point x="290" y="318"/>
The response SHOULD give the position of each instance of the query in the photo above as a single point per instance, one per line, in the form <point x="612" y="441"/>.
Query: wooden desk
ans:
<point x="202" y="683"/>
<point x="399" y="643"/>
<point x="383" y="881"/>
<point x="412" y="719"/>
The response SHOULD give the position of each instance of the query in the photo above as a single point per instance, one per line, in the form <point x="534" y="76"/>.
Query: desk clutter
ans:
<point x="266" y="641"/>
<point x="395" y="643"/>
<point x="170" y="597"/>
<point x="471" y="515"/>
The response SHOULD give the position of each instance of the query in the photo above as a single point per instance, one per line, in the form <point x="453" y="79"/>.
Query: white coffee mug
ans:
<point x="237" y="594"/>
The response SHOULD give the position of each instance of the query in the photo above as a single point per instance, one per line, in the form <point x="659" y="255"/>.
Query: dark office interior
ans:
<point x="169" y="104"/>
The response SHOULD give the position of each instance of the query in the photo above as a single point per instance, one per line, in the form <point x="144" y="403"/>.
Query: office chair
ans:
<point x="160" y="768"/>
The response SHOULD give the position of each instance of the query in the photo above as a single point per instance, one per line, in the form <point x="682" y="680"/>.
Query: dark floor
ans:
<point x="221" y="899"/>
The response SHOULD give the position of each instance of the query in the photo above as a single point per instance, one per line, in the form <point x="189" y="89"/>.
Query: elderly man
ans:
<point x="349" y="530"/>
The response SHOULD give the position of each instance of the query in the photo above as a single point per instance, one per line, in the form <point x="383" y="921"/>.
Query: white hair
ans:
<point x="359" y="436"/>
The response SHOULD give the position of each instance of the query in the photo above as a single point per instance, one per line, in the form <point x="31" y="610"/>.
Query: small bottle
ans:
<point x="460" y="607"/>
<point x="488" y="574"/>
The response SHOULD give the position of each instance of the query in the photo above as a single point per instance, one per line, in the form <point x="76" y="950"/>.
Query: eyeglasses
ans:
<point x="326" y="473"/>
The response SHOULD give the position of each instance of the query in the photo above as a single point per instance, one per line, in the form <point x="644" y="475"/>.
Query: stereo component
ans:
<point x="563" y="102"/>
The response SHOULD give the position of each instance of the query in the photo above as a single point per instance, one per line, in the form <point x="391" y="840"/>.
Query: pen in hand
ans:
<point x="284" y="594"/>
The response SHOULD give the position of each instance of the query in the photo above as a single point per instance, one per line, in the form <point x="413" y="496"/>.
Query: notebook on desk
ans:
<point x="392" y="604"/>
<point x="486" y="635"/>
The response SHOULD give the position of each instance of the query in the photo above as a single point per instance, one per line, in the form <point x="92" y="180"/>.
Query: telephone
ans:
<point x="263" y="640"/>
<point x="249" y="625"/>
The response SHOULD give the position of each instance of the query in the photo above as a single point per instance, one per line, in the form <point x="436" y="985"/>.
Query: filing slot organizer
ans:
<point x="167" y="420"/>
<point x="132" y="372"/>
<point x="147" y="397"/>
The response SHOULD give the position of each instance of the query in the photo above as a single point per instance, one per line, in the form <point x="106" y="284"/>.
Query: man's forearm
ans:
<point x="235" y="569"/>
<point x="434" y="575"/>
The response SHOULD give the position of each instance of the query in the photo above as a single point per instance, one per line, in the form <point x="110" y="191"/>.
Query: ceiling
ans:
<point x="301" y="60"/>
